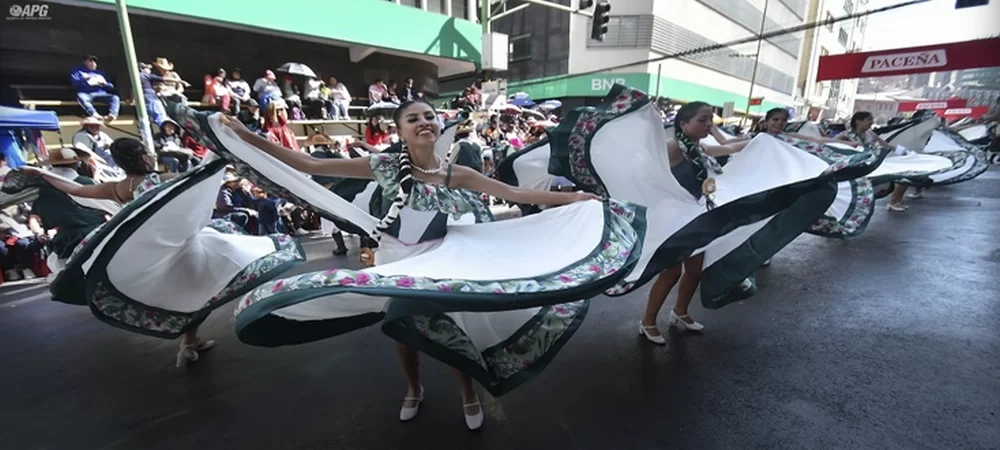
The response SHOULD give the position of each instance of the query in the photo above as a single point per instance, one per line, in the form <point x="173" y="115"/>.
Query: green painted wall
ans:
<point x="377" y="23"/>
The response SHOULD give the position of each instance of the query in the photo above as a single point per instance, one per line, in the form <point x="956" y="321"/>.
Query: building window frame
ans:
<point x="520" y="42"/>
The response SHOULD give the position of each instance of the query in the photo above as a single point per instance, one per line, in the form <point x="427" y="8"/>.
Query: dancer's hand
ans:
<point x="584" y="196"/>
<point x="234" y="125"/>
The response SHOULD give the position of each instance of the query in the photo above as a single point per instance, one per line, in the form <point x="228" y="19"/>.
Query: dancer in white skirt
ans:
<point x="426" y="191"/>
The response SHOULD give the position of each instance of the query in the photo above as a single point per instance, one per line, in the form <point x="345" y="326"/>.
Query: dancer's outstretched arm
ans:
<point x="464" y="177"/>
<point x="348" y="168"/>
<point x="103" y="191"/>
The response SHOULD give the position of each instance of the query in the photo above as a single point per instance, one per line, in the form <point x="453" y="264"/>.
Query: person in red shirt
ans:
<point x="376" y="133"/>
<point x="276" y="125"/>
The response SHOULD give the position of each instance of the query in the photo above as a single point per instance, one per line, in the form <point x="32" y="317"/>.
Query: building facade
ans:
<point x="552" y="55"/>
<point x="829" y="99"/>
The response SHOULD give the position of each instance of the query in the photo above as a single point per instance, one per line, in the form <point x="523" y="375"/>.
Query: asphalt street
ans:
<point x="889" y="341"/>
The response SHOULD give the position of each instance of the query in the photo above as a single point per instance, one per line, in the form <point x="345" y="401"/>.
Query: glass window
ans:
<point x="520" y="48"/>
<point x="459" y="8"/>
<point x="413" y="3"/>
<point x="436" y="6"/>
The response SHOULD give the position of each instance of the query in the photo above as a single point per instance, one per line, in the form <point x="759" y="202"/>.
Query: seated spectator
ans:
<point x="92" y="84"/>
<point x="19" y="252"/>
<point x="293" y="98"/>
<point x="377" y="92"/>
<point x="312" y="104"/>
<point x="154" y="106"/>
<point x="172" y="84"/>
<point x="391" y="93"/>
<point x="216" y="90"/>
<point x="266" y="88"/>
<point x="376" y="133"/>
<point x="276" y="125"/>
<point x="339" y="99"/>
<point x="406" y="93"/>
<point x="239" y="90"/>
<point x="250" y="116"/>
<point x="170" y="149"/>
<point x="226" y="206"/>
<point x="91" y="137"/>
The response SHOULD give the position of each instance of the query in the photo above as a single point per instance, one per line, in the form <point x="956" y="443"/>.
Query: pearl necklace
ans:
<point x="429" y="171"/>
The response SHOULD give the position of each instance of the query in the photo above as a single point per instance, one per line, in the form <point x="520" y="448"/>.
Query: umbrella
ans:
<point x="549" y="105"/>
<point x="300" y="69"/>
<point x="381" y="109"/>
<point x="529" y="112"/>
<point x="524" y="102"/>
<point x="25" y="118"/>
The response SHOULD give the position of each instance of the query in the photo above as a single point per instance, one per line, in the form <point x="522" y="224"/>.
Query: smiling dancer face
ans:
<point x="776" y="120"/>
<point x="418" y="126"/>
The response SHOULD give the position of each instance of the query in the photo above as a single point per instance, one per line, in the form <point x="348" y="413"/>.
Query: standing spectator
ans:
<point x="92" y="84"/>
<point x="340" y="99"/>
<point x="91" y="137"/>
<point x="239" y="89"/>
<point x="266" y="88"/>
<point x="407" y="93"/>
<point x="172" y="85"/>
<point x="276" y="125"/>
<point x="154" y="107"/>
<point x="377" y="93"/>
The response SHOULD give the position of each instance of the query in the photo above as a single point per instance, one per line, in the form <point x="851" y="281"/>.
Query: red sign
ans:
<point x="957" y="113"/>
<point x="932" y="104"/>
<point x="901" y="61"/>
<point x="756" y="101"/>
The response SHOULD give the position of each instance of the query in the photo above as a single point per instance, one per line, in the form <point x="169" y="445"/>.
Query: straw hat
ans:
<point x="91" y="121"/>
<point x="63" y="157"/>
<point x="163" y="63"/>
<point x="318" y="139"/>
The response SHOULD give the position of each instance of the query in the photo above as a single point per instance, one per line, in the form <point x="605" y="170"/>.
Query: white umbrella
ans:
<point x="294" y="68"/>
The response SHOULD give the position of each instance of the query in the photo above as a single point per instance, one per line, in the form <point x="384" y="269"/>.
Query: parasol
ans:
<point x="294" y="68"/>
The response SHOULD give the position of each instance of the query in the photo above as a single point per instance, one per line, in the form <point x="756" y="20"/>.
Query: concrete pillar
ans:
<point x="447" y="8"/>
<point x="471" y="7"/>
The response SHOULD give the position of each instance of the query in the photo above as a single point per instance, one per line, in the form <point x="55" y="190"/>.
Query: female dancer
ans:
<point x="140" y="176"/>
<point x="859" y="133"/>
<point x="444" y="187"/>
<point x="690" y="163"/>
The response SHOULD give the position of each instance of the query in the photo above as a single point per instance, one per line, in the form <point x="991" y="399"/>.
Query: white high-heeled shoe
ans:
<point x="679" y="322"/>
<point x="189" y="352"/>
<point x="644" y="330"/>
<point x="474" y="422"/>
<point x="408" y="413"/>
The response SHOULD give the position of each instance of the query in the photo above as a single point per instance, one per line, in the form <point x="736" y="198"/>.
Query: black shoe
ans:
<point x="339" y="251"/>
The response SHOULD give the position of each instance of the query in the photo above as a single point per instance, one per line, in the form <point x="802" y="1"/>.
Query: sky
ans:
<point x="934" y="22"/>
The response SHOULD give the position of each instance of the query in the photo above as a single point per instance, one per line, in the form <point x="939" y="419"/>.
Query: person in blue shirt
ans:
<point x="92" y="84"/>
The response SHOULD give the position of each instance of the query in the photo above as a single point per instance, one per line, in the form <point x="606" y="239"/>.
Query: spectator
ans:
<point x="170" y="149"/>
<point x="377" y="92"/>
<point x="239" y="89"/>
<point x="266" y="88"/>
<point x="340" y="99"/>
<point x="291" y="92"/>
<point x="19" y="252"/>
<point x="225" y="203"/>
<point x="391" y="92"/>
<point x="92" y="138"/>
<point x="461" y="101"/>
<point x="251" y="116"/>
<point x="172" y="84"/>
<point x="311" y="101"/>
<point x="4" y="169"/>
<point x="375" y="133"/>
<point x="92" y="84"/>
<point x="407" y="93"/>
<point x="276" y="125"/>
<point x="154" y="106"/>
<point x="216" y="90"/>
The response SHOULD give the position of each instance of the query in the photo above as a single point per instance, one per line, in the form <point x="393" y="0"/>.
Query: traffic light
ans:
<point x="970" y="3"/>
<point x="601" y="19"/>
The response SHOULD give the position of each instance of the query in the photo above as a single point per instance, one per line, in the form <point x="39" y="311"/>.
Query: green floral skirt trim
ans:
<point x="417" y="313"/>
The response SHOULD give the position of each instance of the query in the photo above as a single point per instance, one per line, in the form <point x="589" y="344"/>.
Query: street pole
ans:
<point x="484" y="15"/>
<point x="756" y="60"/>
<point x="659" y="70"/>
<point x="133" y="72"/>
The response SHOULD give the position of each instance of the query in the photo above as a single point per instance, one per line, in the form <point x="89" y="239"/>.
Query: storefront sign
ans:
<point x="933" y="58"/>
<point x="936" y="104"/>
